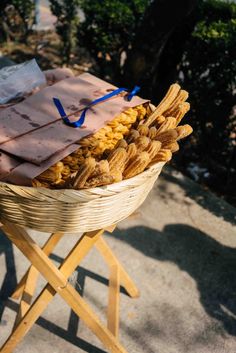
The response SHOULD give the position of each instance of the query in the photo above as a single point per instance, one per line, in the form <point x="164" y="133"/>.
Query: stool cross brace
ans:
<point x="57" y="279"/>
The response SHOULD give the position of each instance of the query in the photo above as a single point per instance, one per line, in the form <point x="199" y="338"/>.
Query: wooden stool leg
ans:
<point x="112" y="260"/>
<point x="27" y="284"/>
<point x="58" y="283"/>
<point x="28" y="292"/>
<point x="47" y="248"/>
<point x="114" y="301"/>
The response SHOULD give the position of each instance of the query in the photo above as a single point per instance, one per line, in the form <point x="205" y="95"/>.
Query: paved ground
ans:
<point x="46" y="19"/>
<point x="181" y="251"/>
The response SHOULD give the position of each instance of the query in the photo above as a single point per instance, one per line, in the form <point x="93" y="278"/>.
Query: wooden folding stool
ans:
<point x="57" y="279"/>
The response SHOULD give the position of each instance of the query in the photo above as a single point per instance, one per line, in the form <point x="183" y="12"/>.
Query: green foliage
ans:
<point x="25" y="9"/>
<point x="16" y="19"/>
<point x="209" y="73"/>
<point x="66" y="12"/>
<point x="215" y="10"/>
<point x="109" y="28"/>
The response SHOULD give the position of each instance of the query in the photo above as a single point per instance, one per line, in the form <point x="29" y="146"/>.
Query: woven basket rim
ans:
<point x="103" y="191"/>
<point x="70" y="210"/>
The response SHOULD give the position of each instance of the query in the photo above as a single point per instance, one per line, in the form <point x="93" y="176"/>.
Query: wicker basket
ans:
<point x="75" y="210"/>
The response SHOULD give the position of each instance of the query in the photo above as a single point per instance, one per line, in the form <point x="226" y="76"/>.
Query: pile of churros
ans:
<point x="125" y="147"/>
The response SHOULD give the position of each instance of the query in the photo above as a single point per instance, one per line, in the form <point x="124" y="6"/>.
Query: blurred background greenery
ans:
<point x="153" y="44"/>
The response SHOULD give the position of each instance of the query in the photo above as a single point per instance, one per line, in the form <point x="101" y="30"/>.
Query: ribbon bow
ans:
<point x="81" y="120"/>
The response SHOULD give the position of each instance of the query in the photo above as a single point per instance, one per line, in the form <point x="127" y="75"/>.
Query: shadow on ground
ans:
<point x="9" y="280"/>
<point x="194" y="191"/>
<point x="211" y="264"/>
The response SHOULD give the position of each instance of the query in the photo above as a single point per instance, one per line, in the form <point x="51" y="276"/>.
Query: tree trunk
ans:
<point x="148" y="63"/>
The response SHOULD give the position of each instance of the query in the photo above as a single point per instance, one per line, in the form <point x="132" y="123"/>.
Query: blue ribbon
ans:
<point x="81" y="120"/>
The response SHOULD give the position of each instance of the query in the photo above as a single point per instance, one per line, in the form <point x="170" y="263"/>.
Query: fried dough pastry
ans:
<point x="168" y="124"/>
<point x="143" y="130"/>
<point x="159" y="121"/>
<point x="142" y="142"/>
<point x="152" y="132"/>
<point x="183" y="109"/>
<point x="101" y="167"/>
<point x="183" y="131"/>
<point x="137" y="165"/>
<point x="165" y="103"/>
<point x="107" y="137"/>
<point x="153" y="149"/>
<point x="167" y="136"/>
<point x="117" y="175"/>
<point x="163" y="155"/>
<point x="122" y="143"/>
<point x="117" y="159"/>
<point x="131" y="152"/>
<point x="84" y="172"/>
<point x="150" y="109"/>
<point x="52" y="174"/>
<point x="36" y="184"/>
<point x="100" y="180"/>
<point x="133" y="135"/>
<point x="180" y="98"/>
<point x="141" y="110"/>
<point x="66" y="172"/>
<point x="173" y="147"/>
